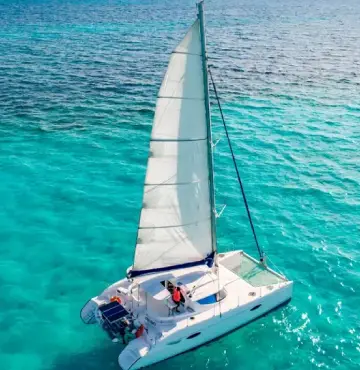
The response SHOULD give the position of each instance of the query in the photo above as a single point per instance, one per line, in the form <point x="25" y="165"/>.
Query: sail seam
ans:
<point x="184" y="52"/>
<point x="177" y="140"/>
<point x="173" y="226"/>
<point x="176" y="183"/>
<point x="179" y="97"/>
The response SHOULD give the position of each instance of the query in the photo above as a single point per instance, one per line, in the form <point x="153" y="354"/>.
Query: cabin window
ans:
<point x="174" y="342"/>
<point x="193" y="335"/>
<point x="255" y="307"/>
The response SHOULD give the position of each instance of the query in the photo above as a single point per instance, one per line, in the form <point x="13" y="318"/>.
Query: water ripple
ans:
<point x="78" y="83"/>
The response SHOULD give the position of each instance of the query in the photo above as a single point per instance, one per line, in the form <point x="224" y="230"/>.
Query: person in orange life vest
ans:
<point x="176" y="297"/>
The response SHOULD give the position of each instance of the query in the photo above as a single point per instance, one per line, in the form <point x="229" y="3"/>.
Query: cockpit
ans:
<point x="198" y="291"/>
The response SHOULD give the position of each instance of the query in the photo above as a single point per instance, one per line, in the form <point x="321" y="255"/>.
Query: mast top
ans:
<point x="200" y="8"/>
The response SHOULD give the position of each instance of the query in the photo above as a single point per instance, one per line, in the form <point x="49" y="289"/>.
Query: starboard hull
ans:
<point x="212" y="330"/>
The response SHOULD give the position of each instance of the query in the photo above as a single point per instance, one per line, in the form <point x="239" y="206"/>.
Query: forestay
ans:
<point x="175" y="222"/>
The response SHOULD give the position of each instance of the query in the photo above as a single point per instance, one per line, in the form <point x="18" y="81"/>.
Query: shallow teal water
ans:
<point x="78" y="84"/>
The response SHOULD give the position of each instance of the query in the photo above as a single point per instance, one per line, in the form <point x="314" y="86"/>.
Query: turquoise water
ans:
<point x="78" y="82"/>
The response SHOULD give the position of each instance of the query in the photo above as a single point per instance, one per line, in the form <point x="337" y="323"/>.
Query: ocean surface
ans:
<point x="78" y="83"/>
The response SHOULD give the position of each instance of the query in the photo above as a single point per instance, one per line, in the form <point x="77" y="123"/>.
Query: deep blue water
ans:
<point x="78" y="83"/>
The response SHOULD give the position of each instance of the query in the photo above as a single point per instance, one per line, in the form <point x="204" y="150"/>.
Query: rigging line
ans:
<point x="261" y="252"/>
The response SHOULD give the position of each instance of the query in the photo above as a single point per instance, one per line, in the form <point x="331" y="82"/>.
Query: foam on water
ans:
<point x="78" y="83"/>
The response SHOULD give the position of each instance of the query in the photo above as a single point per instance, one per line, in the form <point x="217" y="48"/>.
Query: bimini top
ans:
<point x="154" y="288"/>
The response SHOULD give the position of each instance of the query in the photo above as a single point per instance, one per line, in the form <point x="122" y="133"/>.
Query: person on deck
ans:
<point x="176" y="297"/>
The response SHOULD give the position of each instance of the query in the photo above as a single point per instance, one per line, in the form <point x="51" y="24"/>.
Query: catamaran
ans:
<point x="176" y="246"/>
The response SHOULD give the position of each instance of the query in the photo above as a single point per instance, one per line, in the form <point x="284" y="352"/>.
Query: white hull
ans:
<point x="211" y="330"/>
<point x="171" y="335"/>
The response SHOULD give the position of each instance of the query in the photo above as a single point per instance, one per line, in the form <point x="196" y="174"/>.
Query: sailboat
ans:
<point x="176" y="246"/>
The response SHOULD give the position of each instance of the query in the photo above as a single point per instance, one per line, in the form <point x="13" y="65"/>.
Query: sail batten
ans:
<point x="175" y="227"/>
<point x="178" y="97"/>
<point x="182" y="52"/>
<point x="177" y="140"/>
<point x="170" y="226"/>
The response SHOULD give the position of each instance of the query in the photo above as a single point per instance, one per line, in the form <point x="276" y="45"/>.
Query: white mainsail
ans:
<point x="175" y="225"/>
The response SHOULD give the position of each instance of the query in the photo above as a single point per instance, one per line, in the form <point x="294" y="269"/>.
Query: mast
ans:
<point x="200" y="7"/>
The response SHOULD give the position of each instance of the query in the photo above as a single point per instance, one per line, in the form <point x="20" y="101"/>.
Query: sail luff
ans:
<point x="208" y="125"/>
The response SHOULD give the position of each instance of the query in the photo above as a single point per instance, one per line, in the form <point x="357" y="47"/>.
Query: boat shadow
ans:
<point x="102" y="357"/>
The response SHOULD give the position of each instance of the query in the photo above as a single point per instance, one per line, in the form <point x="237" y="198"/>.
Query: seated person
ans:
<point x="176" y="297"/>
<point x="170" y="287"/>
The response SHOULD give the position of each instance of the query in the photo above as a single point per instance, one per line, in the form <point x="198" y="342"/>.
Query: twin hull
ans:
<point x="197" y="334"/>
